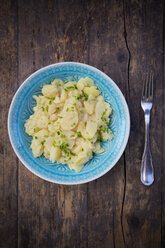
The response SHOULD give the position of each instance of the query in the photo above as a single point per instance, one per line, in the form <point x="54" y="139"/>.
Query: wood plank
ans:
<point x="163" y="140"/>
<point x="107" y="52"/>
<point x="8" y="160"/>
<point x="142" y="205"/>
<point x="50" y="215"/>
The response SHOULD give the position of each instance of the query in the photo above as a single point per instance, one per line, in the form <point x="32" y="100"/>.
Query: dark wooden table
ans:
<point x="124" y="39"/>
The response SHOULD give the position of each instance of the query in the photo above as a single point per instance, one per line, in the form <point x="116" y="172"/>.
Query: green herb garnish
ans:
<point x="36" y="129"/>
<point x="42" y="142"/>
<point x="79" y="134"/>
<point x="72" y="136"/>
<point x="72" y="153"/>
<point x="86" y="96"/>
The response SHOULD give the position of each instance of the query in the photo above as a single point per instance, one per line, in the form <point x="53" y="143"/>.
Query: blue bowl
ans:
<point x="22" y="107"/>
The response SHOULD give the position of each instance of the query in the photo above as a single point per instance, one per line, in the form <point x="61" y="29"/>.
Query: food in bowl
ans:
<point x="69" y="122"/>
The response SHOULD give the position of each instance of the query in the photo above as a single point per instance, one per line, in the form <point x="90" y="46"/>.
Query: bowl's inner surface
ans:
<point x="24" y="104"/>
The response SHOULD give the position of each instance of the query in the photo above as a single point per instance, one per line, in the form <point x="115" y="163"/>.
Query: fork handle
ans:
<point x="147" y="170"/>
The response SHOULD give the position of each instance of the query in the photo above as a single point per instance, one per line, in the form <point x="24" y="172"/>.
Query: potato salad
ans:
<point x="69" y="122"/>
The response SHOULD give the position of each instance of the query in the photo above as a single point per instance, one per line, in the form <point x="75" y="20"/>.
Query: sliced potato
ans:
<point x="49" y="90"/>
<point x="89" y="107"/>
<point x="68" y="122"/>
<point x="92" y="91"/>
<point x="91" y="128"/>
<point x="70" y="117"/>
<point x="36" y="147"/>
<point x="55" y="154"/>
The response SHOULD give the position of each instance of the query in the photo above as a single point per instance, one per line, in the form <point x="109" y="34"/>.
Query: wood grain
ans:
<point x="125" y="39"/>
<point x="107" y="51"/>
<point x="8" y="160"/>
<point x="142" y="205"/>
<point x="48" y="213"/>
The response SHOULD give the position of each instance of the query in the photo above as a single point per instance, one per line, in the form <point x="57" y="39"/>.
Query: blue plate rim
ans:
<point x="123" y="145"/>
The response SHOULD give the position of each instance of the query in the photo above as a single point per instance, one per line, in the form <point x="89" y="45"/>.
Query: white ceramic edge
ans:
<point x="124" y="145"/>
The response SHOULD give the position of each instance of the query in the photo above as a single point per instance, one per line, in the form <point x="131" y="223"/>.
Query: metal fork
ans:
<point x="147" y="170"/>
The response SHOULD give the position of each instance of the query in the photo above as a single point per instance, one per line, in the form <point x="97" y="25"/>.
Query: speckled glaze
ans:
<point x="22" y="107"/>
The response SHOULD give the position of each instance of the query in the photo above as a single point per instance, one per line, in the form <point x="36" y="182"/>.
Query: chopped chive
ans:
<point x="59" y="141"/>
<point x="67" y="109"/>
<point x="54" y="143"/>
<point x="60" y="117"/>
<point x="57" y="108"/>
<point x="42" y="142"/>
<point x="89" y="139"/>
<point x="73" y="124"/>
<point x="36" y="137"/>
<point x="74" y="104"/>
<point x="53" y="98"/>
<point x="86" y="96"/>
<point x="58" y="133"/>
<point x="82" y="149"/>
<point x="75" y="86"/>
<point x="47" y="108"/>
<point x="50" y="102"/>
<point x="52" y="80"/>
<point x="36" y="129"/>
<point x="72" y="153"/>
<point x="46" y="136"/>
<point x="100" y="126"/>
<point x="81" y="111"/>
<point x="99" y="138"/>
<point x="53" y="134"/>
<point x="69" y="158"/>
<point x="49" y="123"/>
<point x="72" y="136"/>
<point x="104" y="130"/>
<point x="79" y="134"/>
<point x="43" y="108"/>
<point x="103" y="113"/>
<point x="58" y="122"/>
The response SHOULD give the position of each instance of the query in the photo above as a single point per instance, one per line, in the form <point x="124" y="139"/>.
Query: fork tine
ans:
<point x="151" y="86"/>
<point x="146" y="80"/>
<point x="144" y="88"/>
